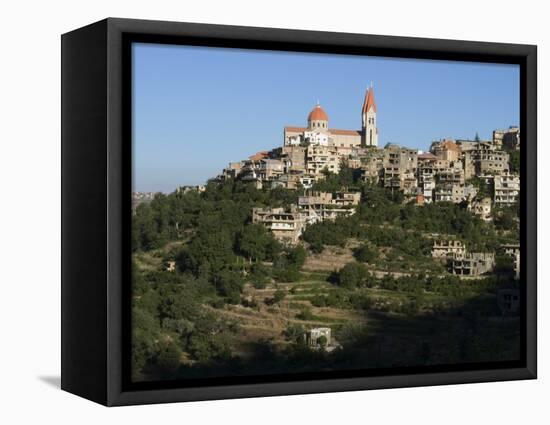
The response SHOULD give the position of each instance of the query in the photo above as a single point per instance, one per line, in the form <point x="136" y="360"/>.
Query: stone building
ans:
<point x="400" y="167"/>
<point x="139" y="198"/>
<point x="321" y="206"/>
<point x="446" y="149"/>
<point x="372" y="165"/>
<point x="506" y="189"/>
<point x="233" y="170"/>
<point x="507" y="139"/>
<point x="446" y="248"/>
<point x="313" y="336"/>
<point x="472" y="264"/>
<point x="514" y="252"/>
<point x="293" y="158"/>
<point x="481" y="208"/>
<point x="286" y="226"/>
<point x="294" y="180"/>
<point x="466" y="145"/>
<point x="447" y="192"/>
<point x="451" y="175"/>
<point x="320" y="158"/>
<point x="426" y="173"/>
<point x="485" y="160"/>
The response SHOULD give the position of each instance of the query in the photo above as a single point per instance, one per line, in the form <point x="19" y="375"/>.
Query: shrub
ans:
<point x="365" y="254"/>
<point x="305" y="314"/>
<point x="351" y="275"/>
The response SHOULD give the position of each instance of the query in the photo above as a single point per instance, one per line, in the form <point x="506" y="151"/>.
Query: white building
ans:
<point x="506" y="189"/>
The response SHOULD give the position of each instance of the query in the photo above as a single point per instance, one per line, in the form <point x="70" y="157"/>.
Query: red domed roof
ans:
<point x="317" y="114"/>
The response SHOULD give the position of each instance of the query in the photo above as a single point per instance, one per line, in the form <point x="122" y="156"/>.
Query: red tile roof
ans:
<point x="317" y="114"/>
<point x="337" y="131"/>
<point x="259" y="155"/>
<point x="450" y="145"/>
<point x="427" y="155"/>
<point x="295" y="129"/>
<point x="345" y="132"/>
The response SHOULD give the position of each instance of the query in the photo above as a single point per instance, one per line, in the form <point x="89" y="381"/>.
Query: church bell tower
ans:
<point x="369" y="136"/>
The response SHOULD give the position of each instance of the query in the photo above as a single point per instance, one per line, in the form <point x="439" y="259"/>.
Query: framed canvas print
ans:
<point x="252" y="212"/>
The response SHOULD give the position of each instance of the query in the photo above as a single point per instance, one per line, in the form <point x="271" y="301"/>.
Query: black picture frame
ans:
<point x="96" y="208"/>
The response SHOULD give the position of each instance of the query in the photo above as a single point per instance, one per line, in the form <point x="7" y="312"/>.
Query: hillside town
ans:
<point x="479" y="173"/>
<point x="332" y="249"/>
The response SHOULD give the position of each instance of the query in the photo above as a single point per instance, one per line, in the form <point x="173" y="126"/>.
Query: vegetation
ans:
<point x="388" y="299"/>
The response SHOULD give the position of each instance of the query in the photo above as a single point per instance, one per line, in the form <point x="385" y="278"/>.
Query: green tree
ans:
<point x="322" y="341"/>
<point x="365" y="254"/>
<point x="295" y="333"/>
<point x="169" y="357"/>
<point x="351" y="275"/>
<point x="297" y="256"/>
<point x="515" y="161"/>
<point x="145" y="331"/>
<point x="254" y="242"/>
<point x="278" y="296"/>
<point x="209" y="251"/>
<point x="229" y="285"/>
<point x="259" y="275"/>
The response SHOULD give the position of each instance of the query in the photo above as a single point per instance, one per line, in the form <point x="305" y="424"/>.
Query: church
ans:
<point x="318" y="131"/>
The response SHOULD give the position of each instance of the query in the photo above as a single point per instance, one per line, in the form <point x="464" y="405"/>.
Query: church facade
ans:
<point x="318" y="131"/>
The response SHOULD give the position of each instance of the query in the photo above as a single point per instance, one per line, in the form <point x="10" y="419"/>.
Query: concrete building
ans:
<point x="313" y="335"/>
<point x="448" y="192"/>
<point x="450" y="175"/>
<point x="257" y="169"/>
<point x="320" y="206"/>
<point x="507" y="139"/>
<point x="472" y="264"/>
<point x="485" y="160"/>
<point x="446" y="149"/>
<point x="466" y="145"/>
<point x="293" y="180"/>
<point x="514" y="252"/>
<point x="400" y="168"/>
<point x="232" y="171"/>
<point x="447" y="248"/>
<point x="286" y="226"/>
<point x="426" y="173"/>
<point x="372" y="165"/>
<point x="481" y="208"/>
<point x="293" y="158"/>
<point x="506" y="189"/>
<point x="139" y="198"/>
<point x="321" y="158"/>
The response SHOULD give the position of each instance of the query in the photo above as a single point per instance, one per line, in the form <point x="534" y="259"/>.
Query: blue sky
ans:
<point x="195" y="109"/>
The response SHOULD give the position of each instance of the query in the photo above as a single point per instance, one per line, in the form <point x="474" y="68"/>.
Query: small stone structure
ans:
<point x="312" y="337"/>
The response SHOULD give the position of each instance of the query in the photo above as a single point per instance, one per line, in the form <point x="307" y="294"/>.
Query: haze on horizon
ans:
<point x="195" y="109"/>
